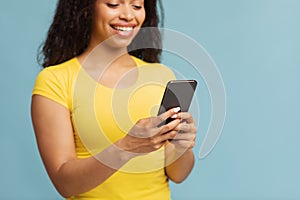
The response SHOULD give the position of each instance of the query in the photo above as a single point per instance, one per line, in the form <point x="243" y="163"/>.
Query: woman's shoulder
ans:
<point x="58" y="76"/>
<point x="62" y="72"/>
<point x="56" y="82"/>
<point x="71" y="65"/>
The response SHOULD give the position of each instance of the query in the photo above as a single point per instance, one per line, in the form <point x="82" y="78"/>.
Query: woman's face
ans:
<point x="119" y="18"/>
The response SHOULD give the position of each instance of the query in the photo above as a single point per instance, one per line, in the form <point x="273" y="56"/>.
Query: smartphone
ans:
<point x="178" y="93"/>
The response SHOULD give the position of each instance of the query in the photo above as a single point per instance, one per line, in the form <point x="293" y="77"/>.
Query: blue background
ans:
<point x="256" y="46"/>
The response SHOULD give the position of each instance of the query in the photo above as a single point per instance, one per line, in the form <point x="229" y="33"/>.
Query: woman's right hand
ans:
<point x="146" y="135"/>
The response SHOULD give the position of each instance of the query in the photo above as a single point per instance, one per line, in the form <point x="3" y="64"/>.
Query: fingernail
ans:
<point x="177" y="109"/>
<point x="174" y="116"/>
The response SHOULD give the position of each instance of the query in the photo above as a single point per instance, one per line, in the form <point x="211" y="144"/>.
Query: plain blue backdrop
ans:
<point x="256" y="46"/>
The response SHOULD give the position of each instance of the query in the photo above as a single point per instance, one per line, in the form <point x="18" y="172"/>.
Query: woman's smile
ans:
<point x="124" y="29"/>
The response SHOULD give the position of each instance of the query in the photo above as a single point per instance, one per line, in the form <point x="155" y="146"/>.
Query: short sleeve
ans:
<point x="52" y="86"/>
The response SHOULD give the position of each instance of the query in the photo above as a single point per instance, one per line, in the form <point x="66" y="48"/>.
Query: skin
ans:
<point x="53" y="127"/>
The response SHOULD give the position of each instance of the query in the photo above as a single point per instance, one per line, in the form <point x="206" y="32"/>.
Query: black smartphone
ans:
<point x="178" y="93"/>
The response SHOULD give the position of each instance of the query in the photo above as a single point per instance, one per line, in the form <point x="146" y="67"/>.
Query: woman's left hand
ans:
<point x="185" y="138"/>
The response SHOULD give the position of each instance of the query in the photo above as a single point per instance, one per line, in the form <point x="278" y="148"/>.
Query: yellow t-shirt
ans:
<point x="102" y="115"/>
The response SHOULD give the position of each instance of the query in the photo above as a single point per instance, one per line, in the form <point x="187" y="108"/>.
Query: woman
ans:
<point x="90" y="149"/>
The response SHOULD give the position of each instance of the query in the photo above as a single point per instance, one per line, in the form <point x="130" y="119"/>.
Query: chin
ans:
<point x="116" y="42"/>
<point x="121" y="44"/>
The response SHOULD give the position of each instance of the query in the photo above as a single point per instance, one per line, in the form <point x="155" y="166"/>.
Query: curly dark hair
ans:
<point x="69" y="33"/>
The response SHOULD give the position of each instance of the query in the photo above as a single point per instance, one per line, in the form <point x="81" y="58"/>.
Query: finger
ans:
<point x="168" y="136"/>
<point x="186" y="116"/>
<point x="184" y="127"/>
<point x="170" y="126"/>
<point x="164" y="116"/>
<point x="185" y="136"/>
<point x="160" y="140"/>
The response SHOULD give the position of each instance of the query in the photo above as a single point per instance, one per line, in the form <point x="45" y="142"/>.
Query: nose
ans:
<point x="126" y="13"/>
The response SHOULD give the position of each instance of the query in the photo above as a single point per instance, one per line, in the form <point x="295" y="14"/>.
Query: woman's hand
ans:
<point x="145" y="136"/>
<point x="185" y="139"/>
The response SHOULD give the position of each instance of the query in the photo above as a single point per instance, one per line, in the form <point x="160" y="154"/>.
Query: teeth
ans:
<point x="120" y="28"/>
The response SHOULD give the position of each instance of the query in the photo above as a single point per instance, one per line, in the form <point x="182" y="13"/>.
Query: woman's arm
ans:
<point x="179" y="154"/>
<point x="72" y="176"/>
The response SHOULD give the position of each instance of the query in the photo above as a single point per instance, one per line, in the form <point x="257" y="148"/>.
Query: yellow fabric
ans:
<point x="102" y="115"/>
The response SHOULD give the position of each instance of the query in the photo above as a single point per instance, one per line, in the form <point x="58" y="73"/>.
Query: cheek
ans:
<point x="142" y="17"/>
<point x="104" y="15"/>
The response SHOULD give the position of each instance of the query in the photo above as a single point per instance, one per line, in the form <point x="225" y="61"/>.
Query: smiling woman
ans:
<point x="85" y="149"/>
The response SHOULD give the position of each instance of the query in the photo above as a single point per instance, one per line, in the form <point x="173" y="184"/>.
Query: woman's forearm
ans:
<point x="178" y="166"/>
<point x="81" y="175"/>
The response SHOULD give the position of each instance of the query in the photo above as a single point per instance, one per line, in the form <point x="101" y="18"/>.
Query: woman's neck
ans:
<point x="101" y="55"/>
